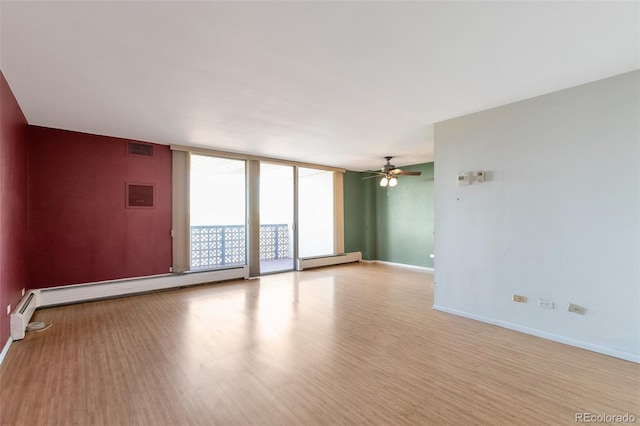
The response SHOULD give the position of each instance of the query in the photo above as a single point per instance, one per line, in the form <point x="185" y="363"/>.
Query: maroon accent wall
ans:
<point x="80" y="228"/>
<point x="13" y="205"/>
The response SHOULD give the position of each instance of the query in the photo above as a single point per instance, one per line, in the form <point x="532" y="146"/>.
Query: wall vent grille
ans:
<point x="141" y="195"/>
<point x="140" y="149"/>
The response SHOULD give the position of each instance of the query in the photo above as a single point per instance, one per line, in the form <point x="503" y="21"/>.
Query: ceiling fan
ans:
<point x="389" y="173"/>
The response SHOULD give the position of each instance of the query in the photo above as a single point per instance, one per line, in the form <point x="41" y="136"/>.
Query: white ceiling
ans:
<point x="334" y="83"/>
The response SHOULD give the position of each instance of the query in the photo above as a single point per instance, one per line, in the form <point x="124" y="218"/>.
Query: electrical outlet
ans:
<point x="23" y="291"/>
<point x="547" y="304"/>
<point x="8" y="309"/>
<point x="518" y="298"/>
<point x="576" y="309"/>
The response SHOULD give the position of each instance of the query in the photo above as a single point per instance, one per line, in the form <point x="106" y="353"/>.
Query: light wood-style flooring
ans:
<point x="353" y="344"/>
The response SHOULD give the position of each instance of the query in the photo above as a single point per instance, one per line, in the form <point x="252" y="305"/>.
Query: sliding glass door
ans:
<point x="263" y="214"/>
<point x="217" y="213"/>
<point x="276" y="218"/>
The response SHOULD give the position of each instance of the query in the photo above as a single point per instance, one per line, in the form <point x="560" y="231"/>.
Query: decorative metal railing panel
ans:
<point x="213" y="246"/>
<point x="274" y="242"/>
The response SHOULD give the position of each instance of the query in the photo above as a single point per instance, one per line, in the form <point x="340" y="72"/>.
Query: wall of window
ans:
<point x="223" y="201"/>
<point x="315" y="212"/>
<point x="217" y="213"/>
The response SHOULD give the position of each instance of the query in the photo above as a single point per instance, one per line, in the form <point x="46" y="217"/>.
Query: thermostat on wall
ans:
<point x="463" y="178"/>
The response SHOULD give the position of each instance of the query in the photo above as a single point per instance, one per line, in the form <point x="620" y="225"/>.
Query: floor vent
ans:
<point x="315" y="262"/>
<point x="22" y="315"/>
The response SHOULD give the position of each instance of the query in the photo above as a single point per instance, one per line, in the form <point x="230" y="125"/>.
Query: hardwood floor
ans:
<point x="354" y="344"/>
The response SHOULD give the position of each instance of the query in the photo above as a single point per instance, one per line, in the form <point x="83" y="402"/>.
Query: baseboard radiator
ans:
<point x="315" y="262"/>
<point x="21" y="316"/>
<point x="109" y="289"/>
<point x="38" y="298"/>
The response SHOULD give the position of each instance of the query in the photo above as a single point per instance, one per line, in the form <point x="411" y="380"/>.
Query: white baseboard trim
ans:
<point x="543" y="334"/>
<point x="404" y="265"/>
<point x="5" y="350"/>
<point x="105" y="289"/>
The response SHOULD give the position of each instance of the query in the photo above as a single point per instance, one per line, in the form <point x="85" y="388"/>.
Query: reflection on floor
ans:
<point x="355" y="344"/>
<point x="277" y="265"/>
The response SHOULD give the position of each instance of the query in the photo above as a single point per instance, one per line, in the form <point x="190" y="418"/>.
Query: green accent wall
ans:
<point x="391" y="224"/>
<point x="404" y="226"/>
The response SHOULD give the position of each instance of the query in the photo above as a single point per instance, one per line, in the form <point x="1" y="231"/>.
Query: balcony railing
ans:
<point x="215" y="246"/>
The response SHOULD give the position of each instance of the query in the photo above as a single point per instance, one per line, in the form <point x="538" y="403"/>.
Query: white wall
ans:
<point x="558" y="217"/>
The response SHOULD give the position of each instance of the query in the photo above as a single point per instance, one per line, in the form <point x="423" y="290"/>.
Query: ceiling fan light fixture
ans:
<point x="389" y="174"/>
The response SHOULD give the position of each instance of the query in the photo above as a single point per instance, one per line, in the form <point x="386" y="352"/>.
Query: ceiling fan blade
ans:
<point x="374" y="176"/>
<point x="402" y="172"/>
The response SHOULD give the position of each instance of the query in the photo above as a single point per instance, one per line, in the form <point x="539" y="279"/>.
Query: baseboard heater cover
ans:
<point x="315" y="262"/>
<point x="22" y="314"/>
<point x="107" y="289"/>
